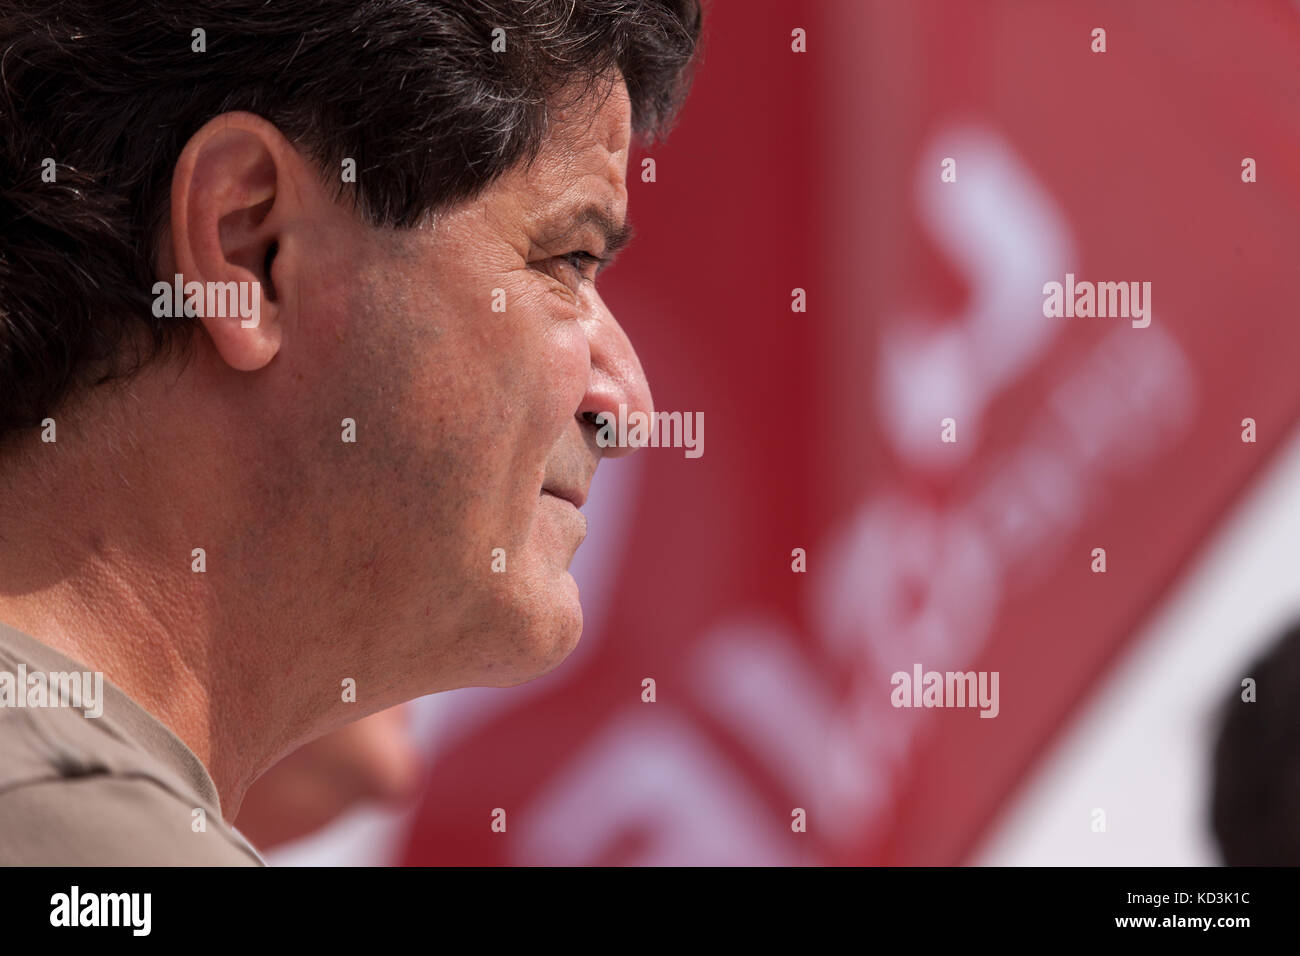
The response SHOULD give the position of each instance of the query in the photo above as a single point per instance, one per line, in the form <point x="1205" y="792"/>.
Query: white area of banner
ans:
<point x="1140" y="746"/>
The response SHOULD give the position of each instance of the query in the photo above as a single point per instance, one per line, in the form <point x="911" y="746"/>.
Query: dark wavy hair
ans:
<point x="412" y="90"/>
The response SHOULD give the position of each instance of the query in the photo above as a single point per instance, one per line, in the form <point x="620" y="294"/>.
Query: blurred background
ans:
<point x="820" y="170"/>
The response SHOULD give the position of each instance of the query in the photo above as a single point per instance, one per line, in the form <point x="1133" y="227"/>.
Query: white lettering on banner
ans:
<point x="1003" y="233"/>
<point x="877" y="608"/>
<point x="752" y="676"/>
<point x="655" y="778"/>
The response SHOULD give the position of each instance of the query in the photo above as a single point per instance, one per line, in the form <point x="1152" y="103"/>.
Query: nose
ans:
<point x="616" y="378"/>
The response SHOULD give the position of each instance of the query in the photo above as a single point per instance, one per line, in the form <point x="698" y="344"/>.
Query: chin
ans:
<point x="548" y="635"/>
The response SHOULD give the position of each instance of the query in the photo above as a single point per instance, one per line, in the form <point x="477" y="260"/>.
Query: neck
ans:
<point x="97" y="560"/>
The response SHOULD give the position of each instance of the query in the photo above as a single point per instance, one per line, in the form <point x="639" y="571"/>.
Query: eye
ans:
<point x="579" y="265"/>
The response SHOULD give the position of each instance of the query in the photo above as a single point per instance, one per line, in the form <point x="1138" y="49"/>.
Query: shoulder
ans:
<point x="111" y="820"/>
<point x="74" y="794"/>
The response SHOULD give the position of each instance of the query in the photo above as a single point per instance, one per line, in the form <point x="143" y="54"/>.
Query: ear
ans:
<point x="232" y="197"/>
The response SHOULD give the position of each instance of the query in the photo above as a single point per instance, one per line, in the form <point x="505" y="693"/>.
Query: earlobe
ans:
<point x="228" y="208"/>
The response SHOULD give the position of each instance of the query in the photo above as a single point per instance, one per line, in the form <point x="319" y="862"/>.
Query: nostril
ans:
<point x="592" y="419"/>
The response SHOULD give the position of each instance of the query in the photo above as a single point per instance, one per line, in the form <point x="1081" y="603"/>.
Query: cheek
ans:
<point x="568" y="372"/>
<point x="527" y="370"/>
<point x="542" y="356"/>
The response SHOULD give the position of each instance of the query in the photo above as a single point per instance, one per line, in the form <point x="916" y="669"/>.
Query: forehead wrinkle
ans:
<point x="561" y="169"/>
<point x="606" y="102"/>
<point x="590" y="125"/>
<point x="591" y="143"/>
<point x="562" y="211"/>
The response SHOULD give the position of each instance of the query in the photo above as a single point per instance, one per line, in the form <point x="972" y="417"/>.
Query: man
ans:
<point x="301" y="365"/>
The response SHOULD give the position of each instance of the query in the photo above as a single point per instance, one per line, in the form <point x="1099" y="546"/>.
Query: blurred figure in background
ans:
<point x="1255" y="807"/>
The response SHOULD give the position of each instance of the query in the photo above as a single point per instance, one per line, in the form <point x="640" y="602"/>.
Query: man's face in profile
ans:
<point x="316" y="317"/>
<point x="473" y="354"/>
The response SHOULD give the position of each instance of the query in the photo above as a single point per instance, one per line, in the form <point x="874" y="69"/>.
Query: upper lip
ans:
<point x="575" y="496"/>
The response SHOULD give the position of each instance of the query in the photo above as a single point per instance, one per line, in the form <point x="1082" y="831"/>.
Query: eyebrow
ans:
<point x="566" y="225"/>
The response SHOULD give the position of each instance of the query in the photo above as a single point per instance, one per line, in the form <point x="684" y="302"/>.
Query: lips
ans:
<point x="573" y="496"/>
<point x="568" y="475"/>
